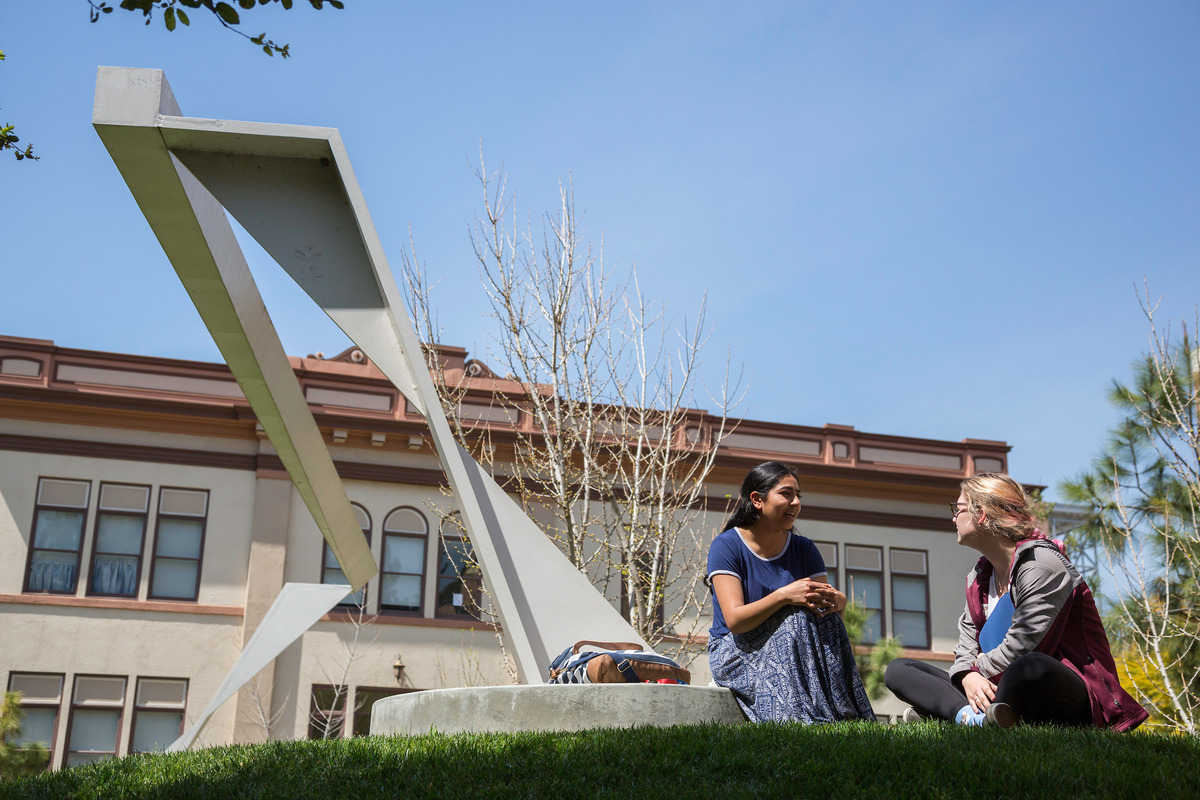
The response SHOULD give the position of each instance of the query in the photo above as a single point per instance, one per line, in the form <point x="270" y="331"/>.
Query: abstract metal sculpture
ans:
<point x="292" y="189"/>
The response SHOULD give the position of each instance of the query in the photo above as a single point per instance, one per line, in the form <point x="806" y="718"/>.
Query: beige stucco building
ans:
<point x="148" y="526"/>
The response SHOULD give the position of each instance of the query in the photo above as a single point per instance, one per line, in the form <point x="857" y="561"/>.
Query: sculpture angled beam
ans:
<point x="292" y="188"/>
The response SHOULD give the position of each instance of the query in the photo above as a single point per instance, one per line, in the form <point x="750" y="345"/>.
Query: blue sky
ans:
<point x="924" y="220"/>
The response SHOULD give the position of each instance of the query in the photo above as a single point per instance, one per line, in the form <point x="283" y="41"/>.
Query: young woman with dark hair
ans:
<point x="777" y="639"/>
<point x="1031" y="645"/>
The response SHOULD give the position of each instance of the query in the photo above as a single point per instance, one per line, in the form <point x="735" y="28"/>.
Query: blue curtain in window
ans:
<point x="51" y="576"/>
<point x="115" y="576"/>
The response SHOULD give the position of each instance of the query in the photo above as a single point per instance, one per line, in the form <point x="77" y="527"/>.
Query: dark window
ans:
<point x="331" y="570"/>
<point x="95" y="726"/>
<point x="910" y="597"/>
<point x="119" y="539"/>
<point x="159" y="706"/>
<point x="178" y="543"/>
<point x="402" y="574"/>
<point x="57" y="540"/>
<point x="327" y="712"/>
<point x="460" y="580"/>
<point x="864" y="579"/>
<point x="363" y="700"/>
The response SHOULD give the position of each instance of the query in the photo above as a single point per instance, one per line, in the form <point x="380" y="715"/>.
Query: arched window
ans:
<point x="402" y="574"/>
<point x="331" y="571"/>
<point x="460" y="581"/>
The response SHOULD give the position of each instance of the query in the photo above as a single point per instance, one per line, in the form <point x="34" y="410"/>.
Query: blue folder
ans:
<point x="998" y="622"/>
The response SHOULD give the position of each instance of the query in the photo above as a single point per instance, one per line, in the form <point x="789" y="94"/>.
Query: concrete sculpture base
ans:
<point x="508" y="709"/>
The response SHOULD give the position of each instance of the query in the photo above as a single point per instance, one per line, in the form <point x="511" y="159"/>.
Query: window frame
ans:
<point x="347" y="602"/>
<point x="159" y="516"/>
<point x="471" y="585"/>
<point x="119" y="708"/>
<point x="139" y="708"/>
<point x="336" y="715"/>
<point x="38" y="704"/>
<point x="851" y="572"/>
<point x="359" y="712"/>
<point x="385" y="535"/>
<point x="96" y="518"/>
<point x="925" y="579"/>
<point x="39" y="507"/>
<point x="836" y="581"/>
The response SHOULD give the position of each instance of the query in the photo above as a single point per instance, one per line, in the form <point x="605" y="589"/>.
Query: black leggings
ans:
<point x="1038" y="687"/>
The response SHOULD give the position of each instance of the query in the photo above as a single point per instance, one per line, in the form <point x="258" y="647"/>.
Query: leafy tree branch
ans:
<point x="174" y="13"/>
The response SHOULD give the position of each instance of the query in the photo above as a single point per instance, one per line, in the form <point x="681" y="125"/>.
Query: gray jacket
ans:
<point x="1039" y="590"/>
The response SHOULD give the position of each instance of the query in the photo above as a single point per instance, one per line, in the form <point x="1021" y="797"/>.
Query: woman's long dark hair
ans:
<point x="761" y="479"/>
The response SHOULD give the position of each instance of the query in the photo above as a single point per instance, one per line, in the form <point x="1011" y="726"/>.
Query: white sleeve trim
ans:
<point x="724" y="572"/>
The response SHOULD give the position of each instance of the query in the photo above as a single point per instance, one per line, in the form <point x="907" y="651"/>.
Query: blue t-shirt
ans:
<point x="760" y="576"/>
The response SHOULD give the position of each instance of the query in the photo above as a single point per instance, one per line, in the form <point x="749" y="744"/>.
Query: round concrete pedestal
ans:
<point x="506" y="709"/>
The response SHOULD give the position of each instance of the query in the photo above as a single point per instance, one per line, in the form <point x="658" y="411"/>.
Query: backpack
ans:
<point x="614" y="662"/>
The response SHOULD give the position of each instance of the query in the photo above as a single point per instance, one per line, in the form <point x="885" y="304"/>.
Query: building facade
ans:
<point x="148" y="526"/>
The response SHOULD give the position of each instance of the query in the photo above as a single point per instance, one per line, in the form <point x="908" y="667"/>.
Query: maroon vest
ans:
<point x="1076" y="638"/>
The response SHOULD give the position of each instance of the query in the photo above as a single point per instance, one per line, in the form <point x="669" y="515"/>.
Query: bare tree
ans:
<point x="1143" y="498"/>
<point x="328" y="719"/>
<point x="259" y="712"/>
<point x="607" y="450"/>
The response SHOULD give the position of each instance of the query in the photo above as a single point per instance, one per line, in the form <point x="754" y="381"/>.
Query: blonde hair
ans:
<point x="1004" y="504"/>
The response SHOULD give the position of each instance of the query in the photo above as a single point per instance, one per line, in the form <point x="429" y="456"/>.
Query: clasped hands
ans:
<point x="818" y="597"/>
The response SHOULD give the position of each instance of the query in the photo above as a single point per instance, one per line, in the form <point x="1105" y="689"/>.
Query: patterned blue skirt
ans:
<point x="792" y="667"/>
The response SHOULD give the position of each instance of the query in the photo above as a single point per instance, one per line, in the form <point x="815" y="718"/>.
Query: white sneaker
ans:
<point x="910" y="715"/>
<point x="1002" y="715"/>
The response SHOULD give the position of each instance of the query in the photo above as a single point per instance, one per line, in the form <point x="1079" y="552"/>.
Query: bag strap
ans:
<point x="606" y="645"/>
<point x="625" y="667"/>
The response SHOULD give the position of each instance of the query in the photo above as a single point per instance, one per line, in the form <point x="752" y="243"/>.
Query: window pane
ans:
<point x="75" y="759"/>
<point x="115" y="575"/>
<point x="36" y="688"/>
<point x="870" y="558"/>
<point x="866" y="590"/>
<point x="910" y="561"/>
<point x="456" y="558"/>
<point x="403" y="554"/>
<point x="908" y="594"/>
<point x="910" y="628"/>
<point x="406" y="520"/>
<point x="58" y="530"/>
<point x="871" y="628"/>
<point x="94" y="729"/>
<point x="124" y="498"/>
<point x="183" y="501"/>
<point x="331" y="561"/>
<point x="119" y="533"/>
<point x="450" y="595"/>
<point x="52" y="572"/>
<point x="63" y="493"/>
<point x="99" y="689"/>
<point x="161" y="692"/>
<point x="401" y="591"/>
<point x="179" y="538"/>
<point x="155" y="730"/>
<point x="38" y="726"/>
<point x="363" y="700"/>
<point x="174" y="578"/>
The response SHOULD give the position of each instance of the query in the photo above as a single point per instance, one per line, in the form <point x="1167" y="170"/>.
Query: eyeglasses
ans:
<point x="956" y="509"/>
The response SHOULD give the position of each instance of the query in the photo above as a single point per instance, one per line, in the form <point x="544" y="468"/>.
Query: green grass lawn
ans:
<point x="836" y="761"/>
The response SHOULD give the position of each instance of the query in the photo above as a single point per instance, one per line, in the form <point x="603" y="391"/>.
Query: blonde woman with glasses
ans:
<point x="1031" y="646"/>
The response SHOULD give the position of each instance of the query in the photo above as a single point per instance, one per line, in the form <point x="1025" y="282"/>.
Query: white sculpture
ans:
<point x="292" y="188"/>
